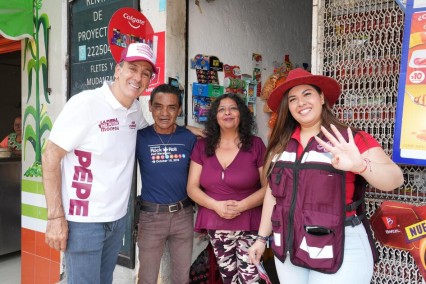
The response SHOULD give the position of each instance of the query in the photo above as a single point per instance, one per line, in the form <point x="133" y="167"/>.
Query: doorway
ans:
<point x="10" y="171"/>
<point x="10" y="80"/>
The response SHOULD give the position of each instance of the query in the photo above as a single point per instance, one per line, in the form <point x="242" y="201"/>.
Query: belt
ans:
<point x="354" y="220"/>
<point x="169" y="208"/>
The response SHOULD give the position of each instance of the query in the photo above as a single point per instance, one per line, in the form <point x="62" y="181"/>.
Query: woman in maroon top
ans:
<point x="224" y="180"/>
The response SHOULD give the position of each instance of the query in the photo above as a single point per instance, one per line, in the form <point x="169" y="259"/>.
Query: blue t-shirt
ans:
<point x="164" y="164"/>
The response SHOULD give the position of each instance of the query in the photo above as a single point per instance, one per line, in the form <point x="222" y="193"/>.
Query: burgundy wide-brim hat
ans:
<point x="299" y="76"/>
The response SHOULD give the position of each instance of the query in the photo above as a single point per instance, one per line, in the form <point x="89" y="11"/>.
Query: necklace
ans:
<point x="162" y="142"/>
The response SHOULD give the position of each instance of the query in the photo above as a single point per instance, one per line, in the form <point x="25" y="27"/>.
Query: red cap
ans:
<point x="139" y="51"/>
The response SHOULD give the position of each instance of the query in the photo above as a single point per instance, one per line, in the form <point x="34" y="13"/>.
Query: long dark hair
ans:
<point x="286" y="125"/>
<point x="246" y="129"/>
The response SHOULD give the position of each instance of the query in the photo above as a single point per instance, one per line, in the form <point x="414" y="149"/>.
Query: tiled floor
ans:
<point x="10" y="271"/>
<point x="10" y="268"/>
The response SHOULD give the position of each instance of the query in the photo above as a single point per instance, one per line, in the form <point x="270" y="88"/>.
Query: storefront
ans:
<point x="10" y="166"/>
<point x="357" y="42"/>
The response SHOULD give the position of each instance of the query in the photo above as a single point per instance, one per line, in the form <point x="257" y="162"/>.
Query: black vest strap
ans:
<point x="354" y="205"/>
<point x="354" y="220"/>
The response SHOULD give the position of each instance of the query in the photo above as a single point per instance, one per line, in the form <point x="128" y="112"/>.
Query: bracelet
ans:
<point x="262" y="239"/>
<point x="367" y="164"/>
<point x="53" y="218"/>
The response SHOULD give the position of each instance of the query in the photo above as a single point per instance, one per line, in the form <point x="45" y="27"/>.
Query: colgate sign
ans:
<point x="128" y="25"/>
<point x="132" y="20"/>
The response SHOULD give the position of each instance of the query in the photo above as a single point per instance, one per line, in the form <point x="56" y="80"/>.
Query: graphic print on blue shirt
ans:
<point x="164" y="167"/>
<point x="165" y="153"/>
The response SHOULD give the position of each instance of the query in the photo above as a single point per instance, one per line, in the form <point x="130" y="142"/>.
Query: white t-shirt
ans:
<point x="100" y="137"/>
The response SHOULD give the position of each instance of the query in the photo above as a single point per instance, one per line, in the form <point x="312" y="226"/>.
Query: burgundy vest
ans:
<point x="308" y="220"/>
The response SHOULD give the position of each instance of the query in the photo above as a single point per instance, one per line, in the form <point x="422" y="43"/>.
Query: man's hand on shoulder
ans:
<point x="197" y="131"/>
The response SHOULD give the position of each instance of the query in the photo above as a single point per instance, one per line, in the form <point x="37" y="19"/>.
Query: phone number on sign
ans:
<point x="98" y="50"/>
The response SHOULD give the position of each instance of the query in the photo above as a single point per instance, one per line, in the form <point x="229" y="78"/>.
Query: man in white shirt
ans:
<point x="88" y="166"/>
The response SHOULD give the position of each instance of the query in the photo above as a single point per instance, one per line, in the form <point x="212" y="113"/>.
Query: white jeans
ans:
<point x="357" y="266"/>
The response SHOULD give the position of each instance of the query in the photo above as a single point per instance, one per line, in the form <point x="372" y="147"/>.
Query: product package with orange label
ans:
<point x="402" y="226"/>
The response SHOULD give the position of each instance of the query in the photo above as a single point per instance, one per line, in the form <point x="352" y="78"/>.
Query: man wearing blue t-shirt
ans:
<point x="166" y="214"/>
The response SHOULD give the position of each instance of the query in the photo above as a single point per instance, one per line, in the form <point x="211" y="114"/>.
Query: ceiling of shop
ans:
<point x="10" y="59"/>
<point x="9" y="55"/>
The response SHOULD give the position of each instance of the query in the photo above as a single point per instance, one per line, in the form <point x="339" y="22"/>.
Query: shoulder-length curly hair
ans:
<point x="246" y="129"/>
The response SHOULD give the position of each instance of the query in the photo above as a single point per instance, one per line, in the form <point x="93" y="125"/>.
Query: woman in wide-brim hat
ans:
<point x="311" y="205"/>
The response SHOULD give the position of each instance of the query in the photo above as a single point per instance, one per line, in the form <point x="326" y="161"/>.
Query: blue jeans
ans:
<point x="92" y="251"/>
<point x="357" y="266"/>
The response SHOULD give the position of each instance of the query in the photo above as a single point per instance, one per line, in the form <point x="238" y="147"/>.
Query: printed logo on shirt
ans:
<point x="111" y="124"/>
<point x="82" y="183"/>
<point x="132" y="125"/>
<point x="165" y="154"/>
